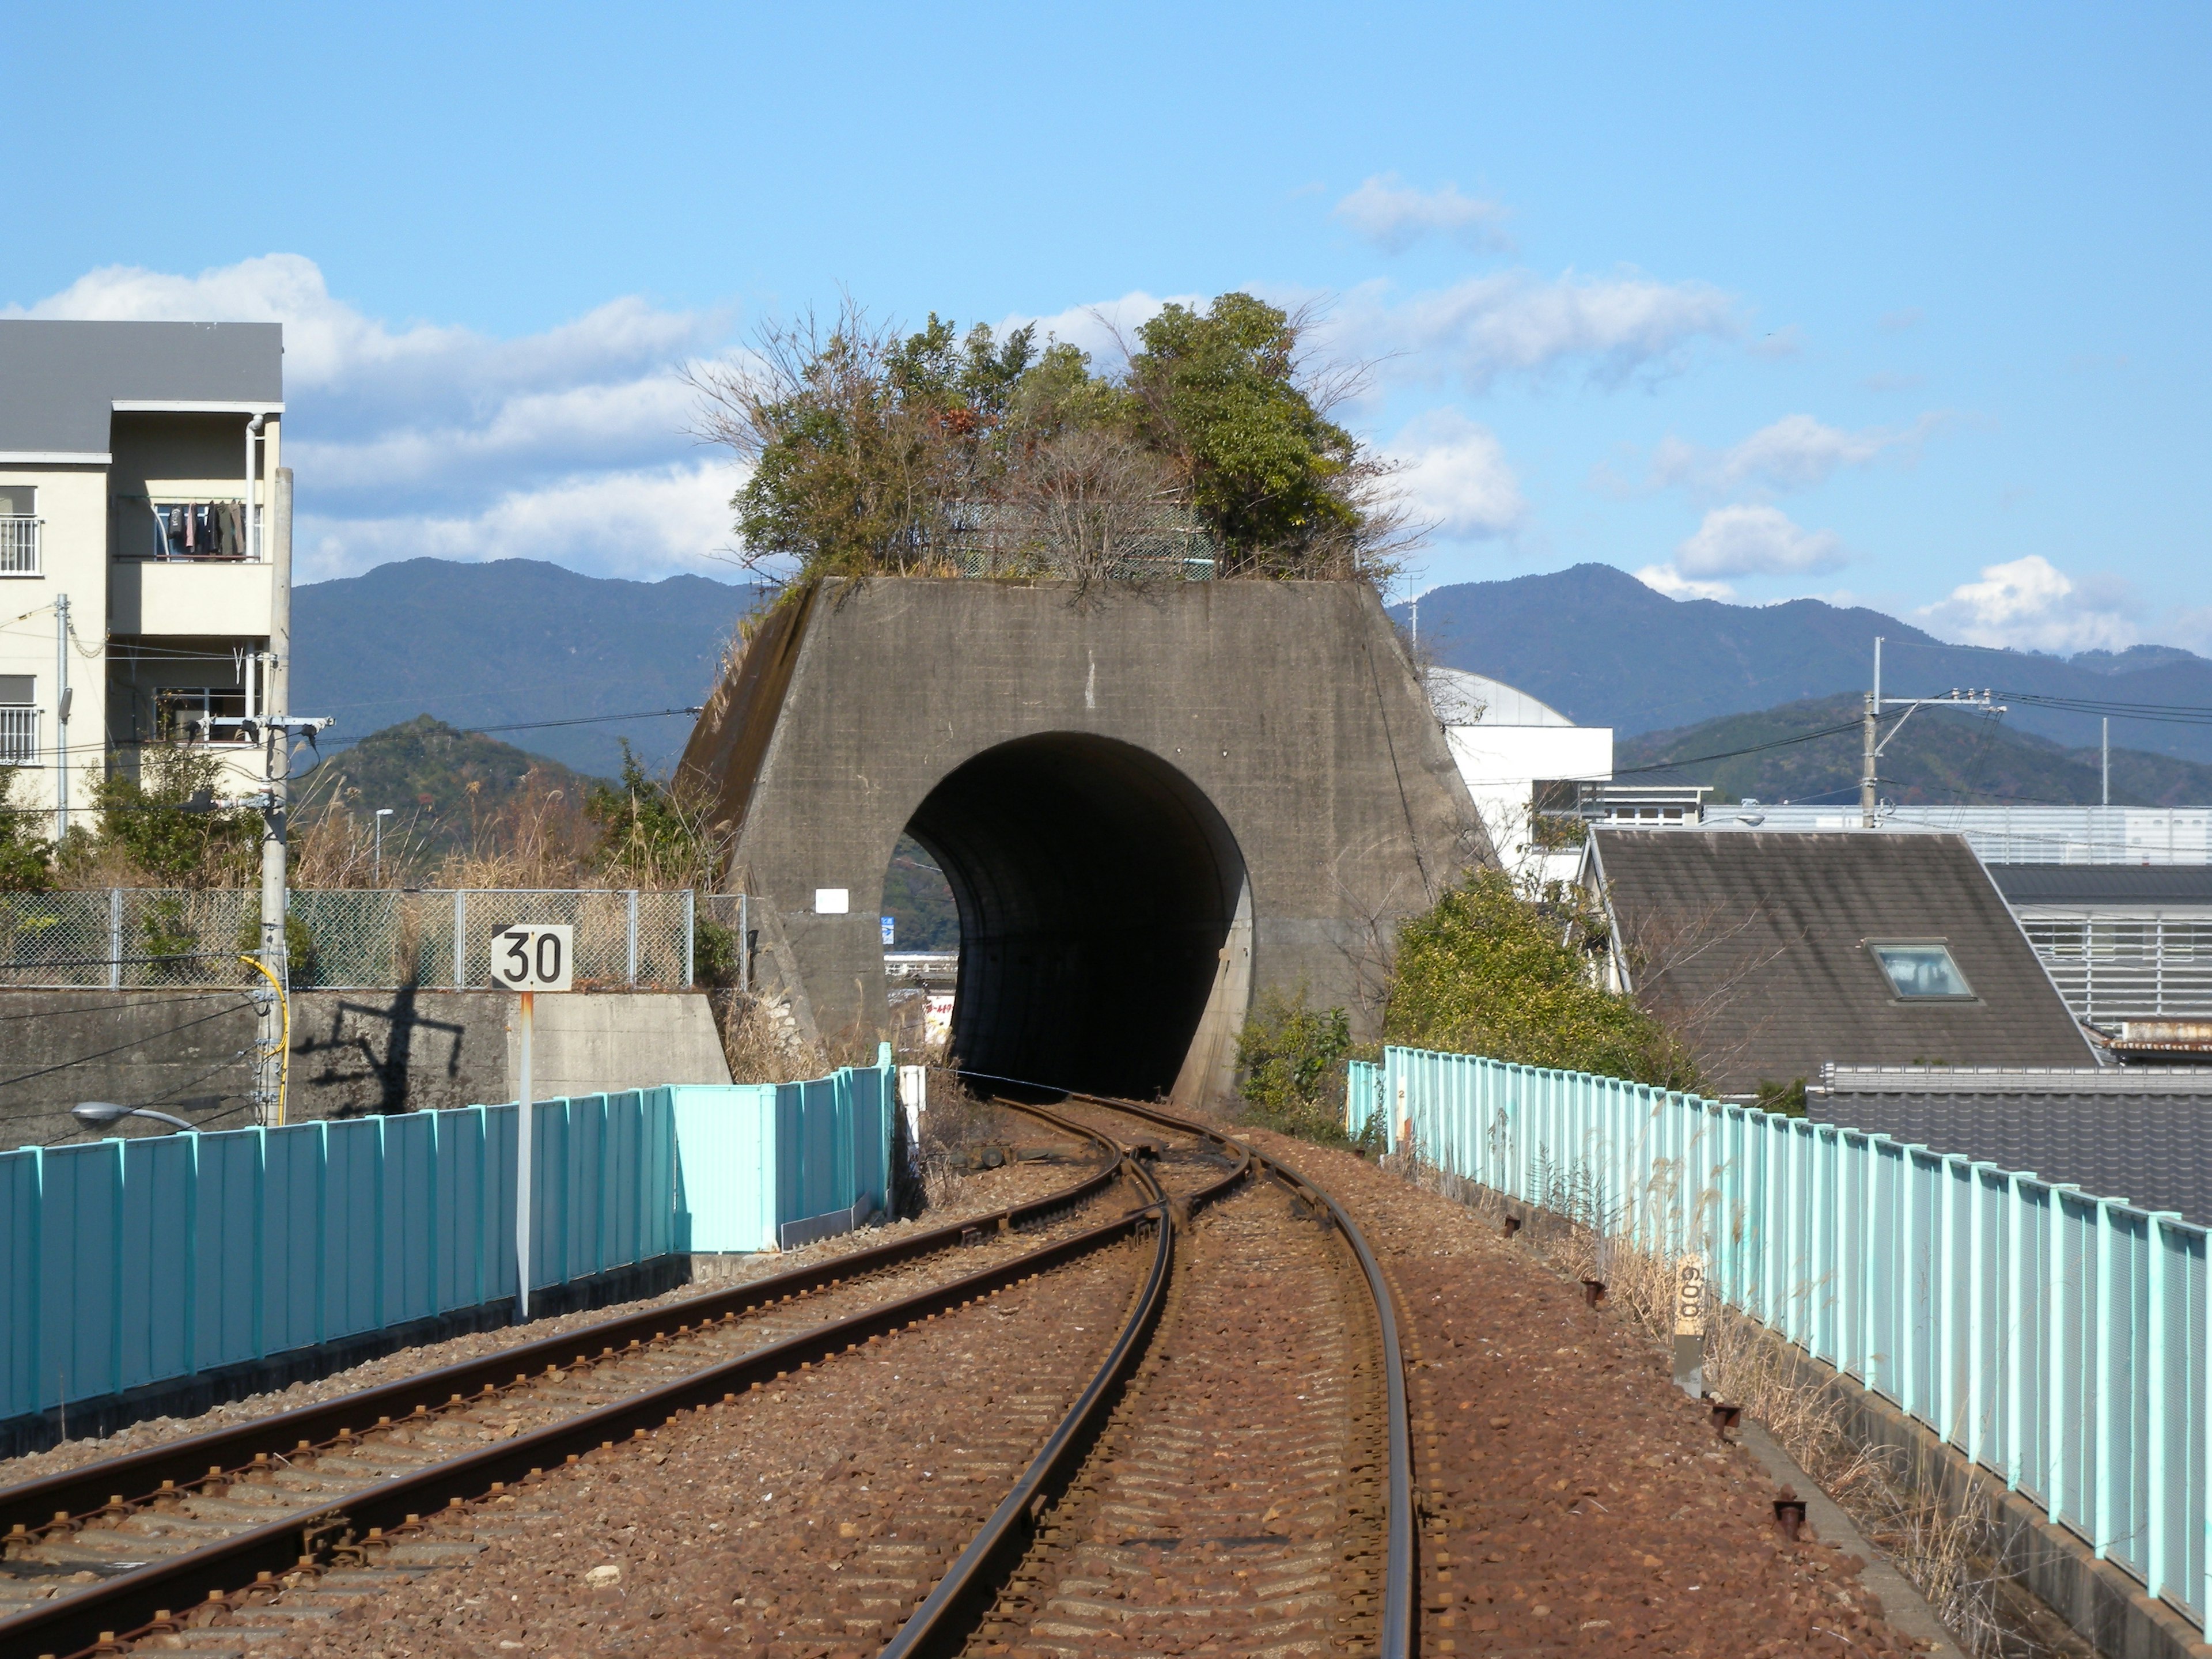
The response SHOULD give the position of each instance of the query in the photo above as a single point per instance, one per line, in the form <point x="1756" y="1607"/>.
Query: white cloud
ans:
<point x="1393" y="216"/>
<point x="1453" y="473"/>
<point x="568" y="444"/>
<point x="1675" y="585"/>
<point x="1102" y="328"/>
<point x="642" y="524"/>
<point x="1749" y="540"/>
<point x="1518" y="322"/>
<point x="2031" y="604"/>
<point x="1794" y="453"/>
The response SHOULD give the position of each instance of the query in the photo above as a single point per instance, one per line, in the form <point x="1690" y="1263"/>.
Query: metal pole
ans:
<point x="2105" y="798"/>
<point x="276" y="753"/>
<point x="61" y="715"/>
<point x="1865" y="768"/>
<point x="523" y="1125"/>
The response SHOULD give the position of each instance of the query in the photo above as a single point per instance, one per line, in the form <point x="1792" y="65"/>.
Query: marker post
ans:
<point x="528" y="959"/>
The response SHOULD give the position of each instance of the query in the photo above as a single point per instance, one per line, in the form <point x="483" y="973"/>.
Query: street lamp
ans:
<point x="99" y="1113"/>
<point x="382" y="813"/>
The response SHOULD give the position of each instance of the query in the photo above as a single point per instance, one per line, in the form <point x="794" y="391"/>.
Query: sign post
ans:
<point x="529" y="959"/>
<point x="1689" y="1325"/>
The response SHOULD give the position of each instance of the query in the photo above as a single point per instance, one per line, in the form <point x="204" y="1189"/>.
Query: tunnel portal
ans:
<point x="1151" y="803"/>
<point x="1096" y="887"/>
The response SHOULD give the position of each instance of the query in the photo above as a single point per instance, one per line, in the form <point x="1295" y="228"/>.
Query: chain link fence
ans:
<point x="348" y="938"/>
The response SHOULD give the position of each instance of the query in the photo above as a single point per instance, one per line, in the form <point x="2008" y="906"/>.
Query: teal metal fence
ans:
<point x="769" y="1165"/>
<point x="129" y="1262"/>
<point x="2058" y="1339"/>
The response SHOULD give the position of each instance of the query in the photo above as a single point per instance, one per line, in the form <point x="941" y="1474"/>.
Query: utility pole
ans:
<point x="61" y="715"/>
<point x="276" y="766"/>
<point x="1871" y="749"/>
<point x="1869" y="752"/>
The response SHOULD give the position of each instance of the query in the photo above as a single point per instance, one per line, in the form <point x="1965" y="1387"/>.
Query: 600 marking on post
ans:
<point x="527" y="958"/>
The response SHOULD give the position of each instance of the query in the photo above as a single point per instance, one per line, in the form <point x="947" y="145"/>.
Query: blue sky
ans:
<point x="1903" y="305"/>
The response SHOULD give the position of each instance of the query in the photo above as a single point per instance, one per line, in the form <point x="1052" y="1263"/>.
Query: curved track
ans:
<point x="123" y="1544"/>
<point x="1227" y="1445"/>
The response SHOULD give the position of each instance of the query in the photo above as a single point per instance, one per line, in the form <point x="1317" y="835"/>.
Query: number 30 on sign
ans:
<point x="526" y="958"/>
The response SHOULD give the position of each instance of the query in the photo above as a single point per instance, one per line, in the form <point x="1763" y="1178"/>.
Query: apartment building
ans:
<point x="137" y="586"/>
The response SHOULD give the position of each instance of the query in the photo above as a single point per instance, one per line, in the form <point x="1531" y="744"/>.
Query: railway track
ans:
<point x="124" y="1545"/>
<point x="1246" y="1388"/>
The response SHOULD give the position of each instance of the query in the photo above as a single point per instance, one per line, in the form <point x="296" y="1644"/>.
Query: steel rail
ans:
<point x="137" y="1476"/>
<point x="1399" y="1607"/>
<point x="140" y="1602"/>
<point x="942" y="1624"/>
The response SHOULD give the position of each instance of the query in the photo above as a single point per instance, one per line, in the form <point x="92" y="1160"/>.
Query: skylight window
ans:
<point x="1922" y="972"/>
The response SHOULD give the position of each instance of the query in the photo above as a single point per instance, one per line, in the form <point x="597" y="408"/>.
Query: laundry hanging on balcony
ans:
<point x="200" y="530"/>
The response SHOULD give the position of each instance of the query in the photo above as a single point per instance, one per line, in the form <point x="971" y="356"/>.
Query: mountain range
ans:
<point x="1938" y="754"/>
<point x="517" y="641"/>
<point x="509" y="644"/>
<point x="1604" y="649"/>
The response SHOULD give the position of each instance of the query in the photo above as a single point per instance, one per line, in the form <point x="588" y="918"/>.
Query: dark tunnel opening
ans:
<point x="1096" y="886"/>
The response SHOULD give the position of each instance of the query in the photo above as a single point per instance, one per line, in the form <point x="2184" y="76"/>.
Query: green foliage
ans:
<point x="875" y="454"/>
<point x="651" y="836"/>
<point x="715" y="954"/>
<point x="26" y="860"/>
<point x="440" y="782"/>
<point x="1787" y="1098"/>
<point x="145" y="817"/>
<point x="300" y="953"/>
<point x="1487" y="972"/>
<point x="1291" y="1067"/>
<point x="1219" y="393"/>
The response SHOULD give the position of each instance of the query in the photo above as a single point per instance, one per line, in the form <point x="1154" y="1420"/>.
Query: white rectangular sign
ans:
<point x="530" y="958"/>
<point x="832" y="901"/>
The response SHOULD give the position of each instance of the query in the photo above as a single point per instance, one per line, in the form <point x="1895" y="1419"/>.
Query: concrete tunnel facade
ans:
<point x="1150" y="805"/>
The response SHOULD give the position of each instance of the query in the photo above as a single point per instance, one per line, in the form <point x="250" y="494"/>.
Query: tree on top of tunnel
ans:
<point x="943" y="453"/>
<point x="1286" y="491"/>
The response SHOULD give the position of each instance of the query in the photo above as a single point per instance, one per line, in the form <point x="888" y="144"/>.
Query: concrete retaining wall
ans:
<point x="354" y="1053"/>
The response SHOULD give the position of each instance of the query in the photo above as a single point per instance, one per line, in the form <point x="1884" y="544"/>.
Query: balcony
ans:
<point x="19" y="736"/>
<point x="188" y="533"/>
<point x="19" y="544"/>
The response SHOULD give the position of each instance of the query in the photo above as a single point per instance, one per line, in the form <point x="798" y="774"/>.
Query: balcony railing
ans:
<point x="19" y="544"/>
<point x="19" y="736"/>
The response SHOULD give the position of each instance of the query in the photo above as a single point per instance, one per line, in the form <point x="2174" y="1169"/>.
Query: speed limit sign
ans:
<point x="528" y="957"/>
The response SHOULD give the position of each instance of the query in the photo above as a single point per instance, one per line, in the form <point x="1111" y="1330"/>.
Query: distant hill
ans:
<point x="1942" y="755"/>
<point x="438" y="782"/>
<point x="1606" y="650"/>
<point x="510" y="642"/>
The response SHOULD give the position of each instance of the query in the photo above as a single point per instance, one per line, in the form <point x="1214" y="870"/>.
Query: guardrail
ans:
<point x="2061" y="1340"/>
<point x="130" y="1263"/>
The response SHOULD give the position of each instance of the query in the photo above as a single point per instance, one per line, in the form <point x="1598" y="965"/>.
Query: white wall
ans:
<point x="73" y="560"/>
<point x="1500" y="762"/>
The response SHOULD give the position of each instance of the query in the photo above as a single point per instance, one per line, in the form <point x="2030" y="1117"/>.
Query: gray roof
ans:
<point x="2151" y="1147"/>
<point x="2133" y="886"/>
<point x="63" y="379"/>
<point x="1753" y="944"/>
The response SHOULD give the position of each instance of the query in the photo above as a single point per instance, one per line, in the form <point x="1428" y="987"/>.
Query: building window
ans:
<point x="19" y="530"/>
<point x="1922" y="971"/>
<point x="19" y="719"/>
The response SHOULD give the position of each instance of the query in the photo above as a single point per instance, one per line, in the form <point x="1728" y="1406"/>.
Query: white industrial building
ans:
<point x="1506" y="743"/>
<point x="137" y="588"/>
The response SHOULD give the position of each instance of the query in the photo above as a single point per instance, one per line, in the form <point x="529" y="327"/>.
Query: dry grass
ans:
<point x="1949" y="1551"/>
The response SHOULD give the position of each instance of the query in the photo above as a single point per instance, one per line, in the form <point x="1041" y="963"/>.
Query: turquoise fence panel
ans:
<point x="2060" y="1340"/>
<point x="726" y="1167"/>
<point x="20" y="1223"/>
<point x="127" y="1262"/>
<point x="1362" y="1098"/>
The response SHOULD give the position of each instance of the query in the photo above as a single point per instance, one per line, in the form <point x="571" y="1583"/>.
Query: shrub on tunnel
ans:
<point x="1486" y="971"/>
